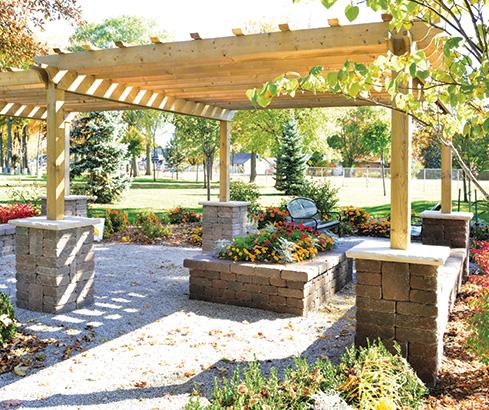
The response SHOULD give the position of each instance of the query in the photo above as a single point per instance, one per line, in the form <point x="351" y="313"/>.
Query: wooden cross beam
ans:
<point x="89" y="85"/>
<point x="23" y="111"/>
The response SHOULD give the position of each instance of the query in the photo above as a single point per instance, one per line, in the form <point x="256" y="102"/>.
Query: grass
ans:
<point x="167" y="193"/>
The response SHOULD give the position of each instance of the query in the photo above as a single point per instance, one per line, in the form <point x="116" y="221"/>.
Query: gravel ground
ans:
<point x="145" y="345"/>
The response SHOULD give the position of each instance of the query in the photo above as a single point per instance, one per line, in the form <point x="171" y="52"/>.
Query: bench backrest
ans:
<point x="302" y="208"/>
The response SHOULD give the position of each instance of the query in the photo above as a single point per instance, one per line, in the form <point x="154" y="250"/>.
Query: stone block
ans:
<point x="413" y="309"/>
<point x="423" y="296"/>
<point x="423" y="282"/>
<point x="422" y="270"/>
<point x="373" y="292"/>
<point x="395" y="281"/>
<point x="416" y="322"/>
<point x="376" y="305"/>
<point x="291" y="293"/>
<point x="375" y="318"/>
<point x="416" y="335"/>
<point x="365" y="265"/>
<point x="367" y="278"/>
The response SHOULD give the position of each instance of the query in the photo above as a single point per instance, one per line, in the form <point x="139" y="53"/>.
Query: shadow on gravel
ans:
<point x="130" y="293"/>
<point x="331" y="344"/>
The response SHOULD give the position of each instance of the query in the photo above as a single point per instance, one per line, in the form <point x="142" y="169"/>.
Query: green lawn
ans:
<point x="163" y="194"/>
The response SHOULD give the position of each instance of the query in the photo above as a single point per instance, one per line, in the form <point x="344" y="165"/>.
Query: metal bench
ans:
<point x="304" y="211"/>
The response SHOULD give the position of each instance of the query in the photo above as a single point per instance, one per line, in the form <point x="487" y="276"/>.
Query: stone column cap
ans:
<point x="463" y="216"/>
<point x="416" y="253"/>
<point x="72" y="197"/>
<point x="41" y="222"/>
<point x="230" y="204"/>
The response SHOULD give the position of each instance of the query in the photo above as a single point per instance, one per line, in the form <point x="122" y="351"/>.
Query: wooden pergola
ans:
<point x="208" y="78"/>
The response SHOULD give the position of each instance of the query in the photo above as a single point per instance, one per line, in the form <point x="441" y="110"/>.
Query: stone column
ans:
<point x="222" y="220"/>
<point x="75" y="205"/>
<point x="7" y="240"/>
<point x="404" y="296"/>
<point x="55" y="265"/>
<point x="447" y="229"/>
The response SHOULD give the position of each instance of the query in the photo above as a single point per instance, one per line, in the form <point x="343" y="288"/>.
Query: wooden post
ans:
<point x="56" y="153"/>
<point x="446" y="179"/>
<point x="400" y="181"/>
<point x="225" y="127"/>
<point x="67" y="157"/>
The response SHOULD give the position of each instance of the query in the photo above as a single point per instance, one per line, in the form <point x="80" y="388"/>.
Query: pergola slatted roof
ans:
<point x="206" y="77"/>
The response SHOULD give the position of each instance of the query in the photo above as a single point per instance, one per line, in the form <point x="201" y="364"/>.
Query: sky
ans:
<point x="210" y="18"/>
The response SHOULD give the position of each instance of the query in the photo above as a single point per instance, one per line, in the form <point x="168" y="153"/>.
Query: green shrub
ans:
<point x="478" y="341"/>
<point x="370" y="375"/>
<point x="367" y="378"/>
<point x="181" y="215"/>
<point x="149" y="227"/>
<point x="8" y="328"/>
<point x="116" y="221"/>
<point x="324" y="195"/>
<point x="247" y="192"/>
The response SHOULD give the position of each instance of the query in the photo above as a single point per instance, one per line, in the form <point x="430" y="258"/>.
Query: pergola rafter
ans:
<point x="207" y="78"/>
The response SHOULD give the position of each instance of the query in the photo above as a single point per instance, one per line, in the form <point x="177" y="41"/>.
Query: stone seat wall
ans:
<point x="292" y="288"/>
<point x="7" y="240"/>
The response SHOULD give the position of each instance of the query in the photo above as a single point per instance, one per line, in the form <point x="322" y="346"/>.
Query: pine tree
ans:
<point x="99" y="155"/>
<point x="291" y="162"/>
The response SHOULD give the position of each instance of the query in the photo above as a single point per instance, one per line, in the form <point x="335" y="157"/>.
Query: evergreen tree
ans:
<point x="99" y="155"/>
<point x="291" y="162"/>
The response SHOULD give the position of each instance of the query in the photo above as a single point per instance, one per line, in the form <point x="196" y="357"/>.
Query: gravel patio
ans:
<point x="145" y="345"/>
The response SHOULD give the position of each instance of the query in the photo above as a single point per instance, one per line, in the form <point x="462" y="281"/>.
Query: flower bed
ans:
<point x="278" y="244"/>
<point x="16" y="211"/>
<point x="272" y="216"/>
<point x="363" y="224"/>
<point x="479" y="254"/>
<point x="181" y="215"/>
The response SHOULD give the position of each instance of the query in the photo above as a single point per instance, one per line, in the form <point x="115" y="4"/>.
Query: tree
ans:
<point x="174" y="154"/>
<point x="99" y="155"/>
<point x="291" y="162"/>
<point x="459" y="82"/>
<point x="17" y="20"/>
<point x="258" y="131"/>
<point x="130" y="30"/>
<point x="135" y="147"/>
<point x="199" y="135"/>
<point x="349" y="140"/>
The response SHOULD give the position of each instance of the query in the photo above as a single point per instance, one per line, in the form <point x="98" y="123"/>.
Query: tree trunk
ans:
<point x="209" y="170"/>
<point x="1" y="151"/>
<point x="205" y="173"/>
<point x="253" y="167"/>
<point x="465" y="185"/>
<point x="25" y="160"/>
<point x="197" y="173"/>
<point x="8" y="162"/>
<point x="148" y="158"/>
<point x="134" y="166"/>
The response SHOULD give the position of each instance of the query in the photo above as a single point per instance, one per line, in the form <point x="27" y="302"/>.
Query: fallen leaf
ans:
<point x="20" y="370"/>
<point x="140" y="384"/>
<point x="190" y="373"/>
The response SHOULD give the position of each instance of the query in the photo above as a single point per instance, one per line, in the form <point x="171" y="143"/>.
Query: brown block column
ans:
<point x="222" y="220"/>
<point x="75" y="205"/>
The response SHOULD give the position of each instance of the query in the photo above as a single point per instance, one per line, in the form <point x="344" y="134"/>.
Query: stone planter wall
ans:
<point x="75" y="205"/>
<point x="292" y="288"/>
<point x="7" y="240"/>
<point x="55" y="266"/>
<point x="408" y="303"/>
<point x="222" y="220"/>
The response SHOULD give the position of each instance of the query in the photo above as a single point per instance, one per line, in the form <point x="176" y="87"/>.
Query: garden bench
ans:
<point x="416" y="228"/>
<point x="304" y="211"/>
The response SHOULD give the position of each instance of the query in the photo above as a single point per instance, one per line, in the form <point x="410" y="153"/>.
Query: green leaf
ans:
<point x="328" y="3"/>
<point x="332" y="78"/>
<point x="486" y="125"/>
<point x="251" y="94"/>
<point x="351" y="12"/>
<point x="316" y="70"/>
<point x="423" y="74"/>
<point x="361" y="68"/>
<point x="412" y="69"/>
<point x="451" y="43"/>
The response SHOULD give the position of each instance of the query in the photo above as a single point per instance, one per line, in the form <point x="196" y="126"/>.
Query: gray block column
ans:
<point x="55" y="263"/>
<point x="75" y="205"/>
<point x="222" y="220"/>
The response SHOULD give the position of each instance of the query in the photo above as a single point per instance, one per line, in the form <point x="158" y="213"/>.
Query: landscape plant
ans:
<point x="148" y="227"/>
<point x="247" y="192"/>
<point x="272" y="215"/>
<point x="181" y="215"/>
<point x="323" y="194"/>
<point x="277" y="244"/>
<point x="291" y="162"/>
<point x="367" y="378"/>
<point x="478" y="320"/>
<point x="16" y="211"/>
<point x="116" y="221"/>
<point x="8" y="327"/>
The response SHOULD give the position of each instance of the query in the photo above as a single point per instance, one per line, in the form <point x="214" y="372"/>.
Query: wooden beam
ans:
<point x="446" y="179"/>
<point x="56" y="153"/>
<point x="31" y="112"/>
<point x="346" y="39"/>
<point x="224" y="157"/>
<point x="284" y="27"/>
<point x="400" y="236"/>
<point x="67" y="125"/>
<point x="237" y="32"/>
<point x="72" y="82"/>
<point x="22" y="78"/>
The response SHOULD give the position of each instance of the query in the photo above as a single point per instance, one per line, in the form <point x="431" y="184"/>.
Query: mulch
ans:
<point x="463" y="380"/>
